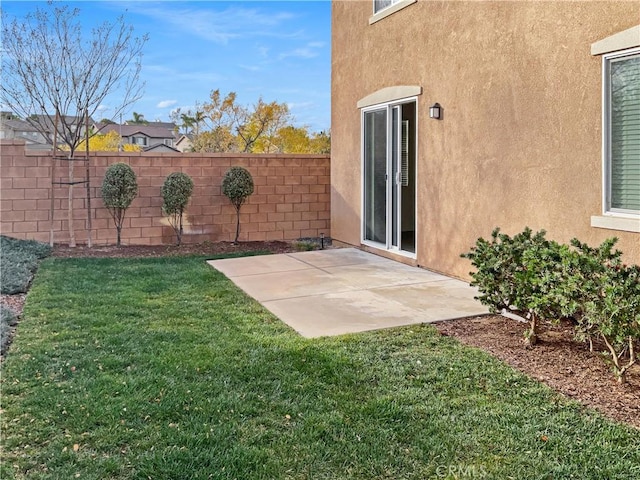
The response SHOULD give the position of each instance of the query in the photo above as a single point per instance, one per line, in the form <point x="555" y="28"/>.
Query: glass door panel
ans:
<point x="375" y="176"/>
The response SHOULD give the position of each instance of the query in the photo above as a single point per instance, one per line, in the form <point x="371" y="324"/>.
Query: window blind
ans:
<point x="624" y="82"/>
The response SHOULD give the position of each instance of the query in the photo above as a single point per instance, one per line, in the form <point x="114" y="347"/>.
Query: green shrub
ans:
<point x="547" y="281"/>
<point x="8" y="318"/>
<point x="610" y="298"/>
<point x="527" y="274"/>
<point x="237" y="186"/>
<point x="176" y="191"/>
<point x="19" y="262"/>
<point x="119" y="188"/>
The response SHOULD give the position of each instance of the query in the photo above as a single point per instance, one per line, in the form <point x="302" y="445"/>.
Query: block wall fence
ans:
<point x="291" y="198"/>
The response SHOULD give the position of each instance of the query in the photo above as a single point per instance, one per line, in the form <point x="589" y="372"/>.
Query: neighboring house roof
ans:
<point x="151" y="131"/>
<point x="15" y="128"/>
<point x="160" y="147"/>
<point x="185" y="142"/>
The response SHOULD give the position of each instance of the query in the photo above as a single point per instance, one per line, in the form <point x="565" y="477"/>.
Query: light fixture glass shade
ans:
<point x="435" y="111"/>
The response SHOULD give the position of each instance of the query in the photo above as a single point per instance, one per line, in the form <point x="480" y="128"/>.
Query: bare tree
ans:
<point x="50" y="66"/>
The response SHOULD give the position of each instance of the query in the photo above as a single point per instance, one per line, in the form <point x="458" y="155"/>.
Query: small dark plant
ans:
<point x="237" y="186"/>
<point x="119" y="188"/>
<point x="176" y="191"/>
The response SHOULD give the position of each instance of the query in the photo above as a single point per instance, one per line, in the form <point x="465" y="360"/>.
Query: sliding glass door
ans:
<point x="389" y="171"/>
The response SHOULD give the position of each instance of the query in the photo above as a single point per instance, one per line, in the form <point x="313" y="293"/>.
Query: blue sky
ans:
<point x="279" y="50"/>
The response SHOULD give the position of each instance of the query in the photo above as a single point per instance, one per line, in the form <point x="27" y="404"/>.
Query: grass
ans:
<point x="162" y="368"/>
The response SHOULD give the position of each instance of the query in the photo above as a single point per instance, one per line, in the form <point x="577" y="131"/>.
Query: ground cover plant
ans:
<point x="19" y="261"/>
<point x="162" y="368"/>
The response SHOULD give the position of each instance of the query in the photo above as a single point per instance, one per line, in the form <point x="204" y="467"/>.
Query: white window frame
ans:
<point x="620" y="43"/>
<point x="611" y="218"/>
<point x="139" y="140"/>
<point x="395" y="6"/>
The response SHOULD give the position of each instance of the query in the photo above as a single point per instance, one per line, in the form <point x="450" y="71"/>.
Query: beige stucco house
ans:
<point x="539" y="124"/>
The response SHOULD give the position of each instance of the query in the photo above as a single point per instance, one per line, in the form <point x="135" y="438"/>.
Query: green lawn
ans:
<point x="163" y="369"/>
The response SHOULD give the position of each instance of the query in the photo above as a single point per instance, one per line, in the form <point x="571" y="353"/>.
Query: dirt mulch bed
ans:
<point x="557" y="360"/>
<point x="206" y="248"/>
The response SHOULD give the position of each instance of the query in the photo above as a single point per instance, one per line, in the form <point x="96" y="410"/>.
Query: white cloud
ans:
<point x="251" y="68"/>
<point x="220" y="26"/>
<point x="166" y="103"/>
<point x="310" y="50"/>
<point x="300" y="105"/>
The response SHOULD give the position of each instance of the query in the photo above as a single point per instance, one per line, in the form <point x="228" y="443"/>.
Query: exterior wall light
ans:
<point x="435" y="111"/>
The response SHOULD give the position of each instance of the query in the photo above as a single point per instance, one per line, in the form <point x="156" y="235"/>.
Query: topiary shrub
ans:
<point x="176" y="191"/>
<point x="119" y="188"/>
<point x="237" y="186"/>
<point x="8" y="319"/>
<point x="19" y="262"/>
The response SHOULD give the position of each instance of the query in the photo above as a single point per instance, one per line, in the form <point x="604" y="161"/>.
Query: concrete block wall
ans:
<point x="291" y="198"/>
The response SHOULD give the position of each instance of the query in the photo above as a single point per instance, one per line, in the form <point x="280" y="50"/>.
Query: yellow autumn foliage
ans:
<point x="107" y="142"/>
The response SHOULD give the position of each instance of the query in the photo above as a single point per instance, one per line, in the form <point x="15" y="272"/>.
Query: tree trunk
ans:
<point x="72" y="233"/>
<point x="88" y="183"/>
<point x="237" y="225"/>
<point x="118" y="229"/>
<point x="531" y="336"/>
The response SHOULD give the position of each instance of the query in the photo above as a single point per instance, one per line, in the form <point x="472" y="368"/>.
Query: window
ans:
<point x="622" y="132"/>
<point x="382" y="4"/>
<point x="168" y="141"/>
<point x="139" y="141"/>
<point x="384" y="8"/>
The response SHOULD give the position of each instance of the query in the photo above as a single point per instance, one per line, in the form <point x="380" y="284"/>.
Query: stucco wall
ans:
<point x="290" y="200"/>
<point x="520" y="141"/>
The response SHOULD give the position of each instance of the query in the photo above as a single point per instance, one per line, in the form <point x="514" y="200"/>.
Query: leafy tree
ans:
<point x="176" y="191"/>
<point x="56" y="75"/>
<point x="237" y="186"/>
<point x="262" y="122"/>
<point x="321" y="143"/>
<point x="119" y="188"/>
<point x="288" y="139"/>
<point x="224" y="125"/>
<point x="109" y="142"/>
<point x="138" y="119"/>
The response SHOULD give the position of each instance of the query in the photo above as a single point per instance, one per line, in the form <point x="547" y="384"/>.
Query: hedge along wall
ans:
<point x="290" y="200"/>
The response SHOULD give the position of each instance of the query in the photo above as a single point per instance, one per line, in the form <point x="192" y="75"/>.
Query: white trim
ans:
<point x="391" y="9"/>
<point x="389" y="95"/>
<point x="607" y="211"/>
<point x="616" y="222"/>
<point x="372" y="108"/>
<point x="629" y="38"/>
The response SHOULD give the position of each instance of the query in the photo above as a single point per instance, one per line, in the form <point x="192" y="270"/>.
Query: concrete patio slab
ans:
<point x="338" y="291"/>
